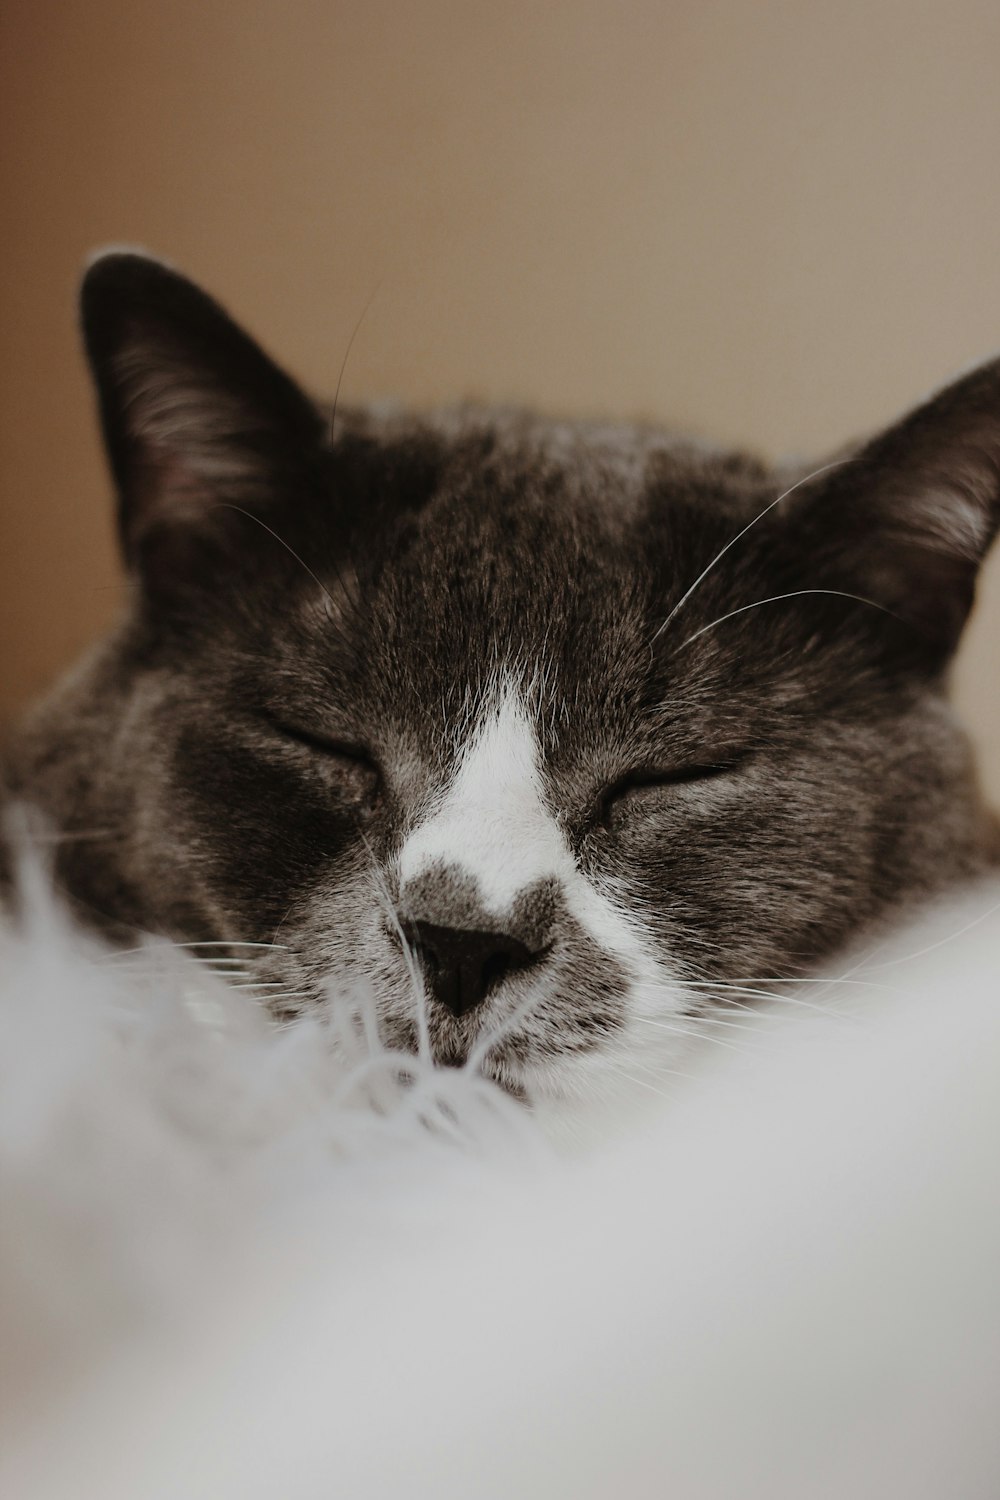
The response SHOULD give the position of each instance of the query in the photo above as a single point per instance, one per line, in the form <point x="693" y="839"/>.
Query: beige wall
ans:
<point x="774" y="222"/>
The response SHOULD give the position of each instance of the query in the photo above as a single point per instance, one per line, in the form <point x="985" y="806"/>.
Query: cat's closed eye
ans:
<point x="357" y="778"/>
<point x="645" y="793"/>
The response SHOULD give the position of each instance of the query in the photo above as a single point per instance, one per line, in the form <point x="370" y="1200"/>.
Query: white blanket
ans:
<point x="241" y="1262"/>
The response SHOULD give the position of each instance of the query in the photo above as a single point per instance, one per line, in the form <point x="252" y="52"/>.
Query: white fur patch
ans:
<point x="494" y="825"/>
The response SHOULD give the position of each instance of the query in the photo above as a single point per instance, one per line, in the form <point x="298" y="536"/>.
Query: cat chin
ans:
<point x="586" y="1100"/>
<point x="561" y="1044"/>
<point x="585" y="1104"/>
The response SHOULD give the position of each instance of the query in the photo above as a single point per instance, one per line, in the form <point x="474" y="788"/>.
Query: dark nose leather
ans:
<point x="463" y="965"/>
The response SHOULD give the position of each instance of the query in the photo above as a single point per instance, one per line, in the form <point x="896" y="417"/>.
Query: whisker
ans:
<point x="260" y="984"/>
<point x="416" y="984"/>
<point x="620" y="1072"/>
<point x="837" y="463"/>
<point x="228" y="505"/>
<point x="723" y="991"/>
<point x="890" y="963"/>
<point x="710" y="1018"/>
<point x="777" y="598"/>
<point x="777" y="979"/>
<point x="847" y="1017"/>
<point x="488" y="1039"/>
<point x="689" y="1032"/>
<point x="155" y="943"/>
<point x="271" y="997"/>
<point x="230" y="943"/>
<point x="288" y="911"/>
<point x="45" y="836"/>
<point x="343" y="364"/>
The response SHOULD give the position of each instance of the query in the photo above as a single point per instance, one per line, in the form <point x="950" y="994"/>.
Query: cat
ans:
<point x="558" y="735"/>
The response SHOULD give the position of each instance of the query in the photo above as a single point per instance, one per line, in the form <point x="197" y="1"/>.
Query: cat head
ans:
<point x="552" y="733"/>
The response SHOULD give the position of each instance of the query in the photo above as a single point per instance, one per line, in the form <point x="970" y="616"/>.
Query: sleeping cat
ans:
<point x="556" y="734"/>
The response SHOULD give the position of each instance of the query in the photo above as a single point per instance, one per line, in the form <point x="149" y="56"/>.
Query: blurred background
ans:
<point x="771" y="223"/>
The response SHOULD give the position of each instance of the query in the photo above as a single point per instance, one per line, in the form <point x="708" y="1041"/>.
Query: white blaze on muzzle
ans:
<point x="492" y="824"/>
<point x="493" y="828"/>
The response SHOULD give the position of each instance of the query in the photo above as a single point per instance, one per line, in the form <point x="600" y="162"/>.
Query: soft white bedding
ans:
<point x="238" y="1262"/>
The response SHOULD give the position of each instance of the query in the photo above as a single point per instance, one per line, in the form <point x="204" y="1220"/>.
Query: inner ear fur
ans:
<point x="195" y="415"/>
<point x="907" y="519"/>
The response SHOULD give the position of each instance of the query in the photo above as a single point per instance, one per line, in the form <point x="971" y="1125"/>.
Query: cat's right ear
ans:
<point x="906" y="520"/>
<point x="197" y="419"/>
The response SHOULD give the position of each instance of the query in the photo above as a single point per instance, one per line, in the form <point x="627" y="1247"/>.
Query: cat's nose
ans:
<point x="463" y="964"/>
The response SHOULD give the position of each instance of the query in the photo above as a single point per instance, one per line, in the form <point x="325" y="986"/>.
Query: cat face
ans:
<point x="553" y="735"/>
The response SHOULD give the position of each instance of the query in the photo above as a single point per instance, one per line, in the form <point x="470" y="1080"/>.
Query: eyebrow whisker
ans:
<point x="776" y="599"/>
<point x="815" y="473"/>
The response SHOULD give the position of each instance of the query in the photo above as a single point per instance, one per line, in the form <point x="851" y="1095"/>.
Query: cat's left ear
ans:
<point x="908" y="519"/>
<point x="195" y="415"/>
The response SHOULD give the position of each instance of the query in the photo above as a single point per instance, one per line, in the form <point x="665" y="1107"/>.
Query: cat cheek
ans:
<point x="357" y="787"/>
